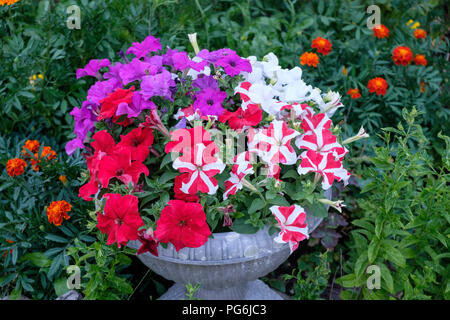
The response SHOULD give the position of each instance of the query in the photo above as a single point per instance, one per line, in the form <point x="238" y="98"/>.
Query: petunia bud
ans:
<point x="361" y="134"/>
<point x="193" y="40"/>
<point x="338" y="205"/>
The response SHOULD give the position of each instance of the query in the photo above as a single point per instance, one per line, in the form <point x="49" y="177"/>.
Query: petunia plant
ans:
<point x="180" y="147"/>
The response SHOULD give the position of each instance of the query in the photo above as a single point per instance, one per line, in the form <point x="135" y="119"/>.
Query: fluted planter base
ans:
<point x="251" y="290"/>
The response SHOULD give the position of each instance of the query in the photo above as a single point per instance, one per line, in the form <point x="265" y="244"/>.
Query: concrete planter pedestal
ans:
<point x="227" y="267"/>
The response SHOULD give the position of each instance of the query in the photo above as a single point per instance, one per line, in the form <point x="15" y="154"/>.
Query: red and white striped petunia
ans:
<point x="242" y="90"/>
<point x="273" y="144"/>
<point x="200" y="171"/>
<point x="324" y="164"/>
<point x="321" y="141"/>
<point x="292" y="223"/>
<point x="232" y="185"/>
<point x="241" y="168"/>
<point x="242" y="164"/>
<point x="316" y="122"/>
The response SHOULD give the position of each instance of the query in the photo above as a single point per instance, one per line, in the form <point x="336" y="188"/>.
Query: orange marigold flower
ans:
<point x="380" y="31"/>
<point x="47" y="154"/>
<point x="32" y="146"/>
<point x="322" y="45"/>
<point x="57" y="211"/>
<point x="377" y="85"/>
<point x="344" y="71"/>
<point x="354" y="93"/>
<point x="7" y="2"/>
<point x="15" y="167"/>
<point x="310" y="59"/>
<point x="420" y="59"/>
<point x="402" y="55"/>
<point x="420" y="34"/>
<point x="63" y="179"/>
<point x="422" y="86"/>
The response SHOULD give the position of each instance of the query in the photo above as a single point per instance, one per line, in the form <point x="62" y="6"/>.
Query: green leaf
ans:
<point x="167" y="159"/>
<point x="166" y="176"/>
<point x="372" y="252"/>
<point x="316" y="209"/>
<point x="387" y="278"/>
<point x="394" y="255"/>
<point x="348" y="281"/>
<point x="240" y="226"/>
<point x="37" y="258"/>
<point x="256" y="205"/>
<point x="60" y="286"/>
<point x="55" y="238"/>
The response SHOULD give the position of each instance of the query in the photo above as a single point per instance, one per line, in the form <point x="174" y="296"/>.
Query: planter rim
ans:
<point x="219" y="236"/>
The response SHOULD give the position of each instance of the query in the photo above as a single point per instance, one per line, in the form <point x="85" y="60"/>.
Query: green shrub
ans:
<point x="403" y="226"/>
<point x="35" y="255"/>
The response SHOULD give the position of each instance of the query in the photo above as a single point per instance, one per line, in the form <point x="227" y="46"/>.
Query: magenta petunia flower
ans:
<point x="234" y="65"/>
<point x="204" y="82"/>
<point x="137" y="105"/>
<point x="141" y="49"/>
<point x="114" y="72"/>
<point x="100" y="90"/>
<point x="181" y="61"/>
<point x="92" y="68"/>
<point x="135" y="70"/>
<point x="158" y="85"/>
<point x="84" y="122"/>
<point x="209" y="102"/>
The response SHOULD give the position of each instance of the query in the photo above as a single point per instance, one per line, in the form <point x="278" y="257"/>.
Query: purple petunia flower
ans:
<point x="135" y="70"/>
<point x="85" y="119"/>
<point x="233" y="64"/>
<point x="158" y="85"/>
<point x="100" y="90"/>
<point x="181" y="61"/>
<point x="114" y="72"/>
<point x="141" y="49"/>
<point x="209" y="102"/>
<point x="92" y="68"/>
<point x="204" y="82"/>
<point x="137" y="105"/>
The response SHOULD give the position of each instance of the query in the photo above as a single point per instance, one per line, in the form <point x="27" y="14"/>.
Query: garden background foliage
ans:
<point x="399" y="221"/>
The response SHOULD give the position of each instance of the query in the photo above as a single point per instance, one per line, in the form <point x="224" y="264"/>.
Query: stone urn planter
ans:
<point x="227" y="267"/>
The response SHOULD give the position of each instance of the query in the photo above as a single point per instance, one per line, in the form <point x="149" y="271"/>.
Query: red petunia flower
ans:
<point x="149" y="243"/>
<point x="240" y="119"/>
<point x="377" y="85"/>
<point x="180" y="195"/>
<point x="112" y="101"/>
<point x="354" y="93"/>
<point x="420" y="34"/>
<point x="183" y="224"/>
<point x="121" y="219"/>
<point x="138" y="141"/>
<point x="420" y="59"/>
<point x="310" y="59"/>
<point x="322" y="45"/>
<point x="380" y="31"/>
<point x="402" y="55"/>
<point x="120" y="165"/>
